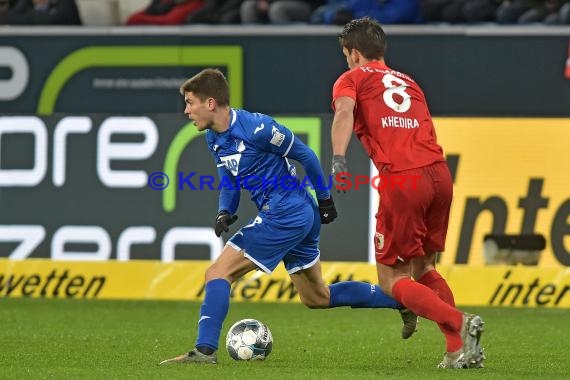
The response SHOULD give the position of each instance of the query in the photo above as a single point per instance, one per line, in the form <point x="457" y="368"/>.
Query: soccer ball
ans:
<point x="249" y="339"/>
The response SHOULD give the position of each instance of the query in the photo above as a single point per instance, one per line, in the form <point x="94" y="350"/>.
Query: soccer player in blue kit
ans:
<point x="251" y="151"/>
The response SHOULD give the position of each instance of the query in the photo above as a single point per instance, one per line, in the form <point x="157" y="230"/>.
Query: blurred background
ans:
<point x="89" y="108"/>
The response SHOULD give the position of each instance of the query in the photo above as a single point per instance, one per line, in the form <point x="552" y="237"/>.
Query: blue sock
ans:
<point x="358" y="294"/>
<point x="213" y="312"/>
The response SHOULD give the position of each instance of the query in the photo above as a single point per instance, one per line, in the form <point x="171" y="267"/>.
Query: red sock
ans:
<point x="424" y="302"/>
<point x="435" y="282"/>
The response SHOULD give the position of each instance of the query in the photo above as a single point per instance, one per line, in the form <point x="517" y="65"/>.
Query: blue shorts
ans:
<point x="290" y="235"/>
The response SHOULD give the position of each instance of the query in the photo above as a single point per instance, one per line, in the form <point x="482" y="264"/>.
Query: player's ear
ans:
<point x="211" y="103"/>
<point x="356" y="56"/>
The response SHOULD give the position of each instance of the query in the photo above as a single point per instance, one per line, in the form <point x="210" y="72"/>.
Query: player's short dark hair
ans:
<point x="208" y="83"/>
<point x="365" y="35"/>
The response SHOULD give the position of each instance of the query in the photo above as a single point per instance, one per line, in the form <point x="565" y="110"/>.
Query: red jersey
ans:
<point x="391" y="117"/>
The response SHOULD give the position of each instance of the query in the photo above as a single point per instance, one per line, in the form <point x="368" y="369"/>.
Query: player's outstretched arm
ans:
<point x="308" y="159"/>
<point x="281" y="141"/>
<point x="342" y="125"/>
<point x="229" y="192"/>
<point x="341" y="132"/>
<point x="228" y="202"/>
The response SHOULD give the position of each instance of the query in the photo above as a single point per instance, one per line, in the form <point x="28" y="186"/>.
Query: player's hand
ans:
<point x="327" y="210"/>
<point x="223" y="220"/>
<point x="338" y="168"/>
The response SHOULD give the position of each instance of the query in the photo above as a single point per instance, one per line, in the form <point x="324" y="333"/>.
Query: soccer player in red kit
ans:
<point x="388" y="112"/>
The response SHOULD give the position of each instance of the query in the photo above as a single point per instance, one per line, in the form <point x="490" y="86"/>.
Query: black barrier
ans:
<point x="481" y="71"/>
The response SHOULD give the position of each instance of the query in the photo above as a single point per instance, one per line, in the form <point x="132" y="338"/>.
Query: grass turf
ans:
<point x="126" y="339"/>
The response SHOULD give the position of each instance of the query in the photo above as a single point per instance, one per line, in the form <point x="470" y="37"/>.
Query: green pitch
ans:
<point x="119" y="339"/>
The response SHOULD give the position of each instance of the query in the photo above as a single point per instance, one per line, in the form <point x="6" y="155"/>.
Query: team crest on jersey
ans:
<point x="277" y="137"/>
<point x="232" y="162"/>
<point x="379" y="240"/>
<point x="240" y="146"/>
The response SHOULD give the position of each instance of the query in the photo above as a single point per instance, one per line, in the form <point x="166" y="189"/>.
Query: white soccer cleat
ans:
<point x="471" y="332"/>
<point x="193" y="356"/>
<point x="453" y="361"/>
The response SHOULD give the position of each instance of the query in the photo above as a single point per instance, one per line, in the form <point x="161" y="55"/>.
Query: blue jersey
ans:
<point x="253" y="154"/>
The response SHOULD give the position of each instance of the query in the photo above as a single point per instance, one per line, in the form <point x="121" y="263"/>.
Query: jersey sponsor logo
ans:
<point x="277" y="137"/>
<point x="257" y="129"/>
<point x="232" y="162"/>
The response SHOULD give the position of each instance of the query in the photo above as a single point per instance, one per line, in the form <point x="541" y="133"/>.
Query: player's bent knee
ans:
<point x="421" y="267"/>
<point x="215" y="271"/>
<point x="316" y="301"/>
<point x="315" y="304"/>
<point x="386" y="285"/>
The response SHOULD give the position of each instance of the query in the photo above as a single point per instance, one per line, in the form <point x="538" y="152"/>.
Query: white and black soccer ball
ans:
<point x="249" y="339"/>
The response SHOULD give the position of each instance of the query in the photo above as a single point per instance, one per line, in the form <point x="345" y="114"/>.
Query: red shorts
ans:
<point x="413" y="213"/>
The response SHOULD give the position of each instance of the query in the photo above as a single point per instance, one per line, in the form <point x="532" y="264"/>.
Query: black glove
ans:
<point x="339" y="166"/>
<point x="327" y="210"/>
<point x="223" y="220"/>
